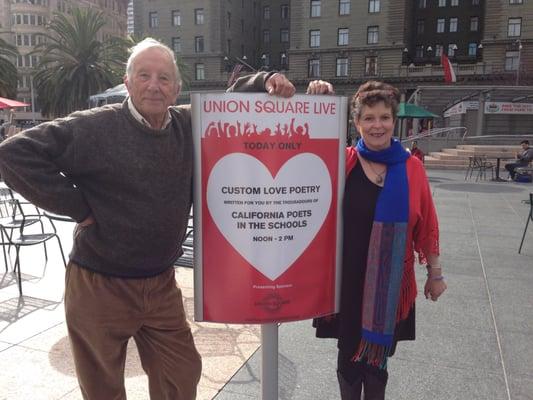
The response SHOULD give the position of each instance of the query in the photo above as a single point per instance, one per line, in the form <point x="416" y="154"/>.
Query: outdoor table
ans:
<point x="497" y="177"/>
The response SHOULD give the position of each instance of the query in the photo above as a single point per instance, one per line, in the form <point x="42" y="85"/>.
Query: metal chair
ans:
<point x="22" y="238"/>
<point x="481" y="165"/>
<point x="11" y="219"/>
<point x="529" y="218"/>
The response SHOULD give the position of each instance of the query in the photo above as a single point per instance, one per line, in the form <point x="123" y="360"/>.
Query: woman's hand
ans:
<point x="320" y="87"/>
<point x="435" y="285"/>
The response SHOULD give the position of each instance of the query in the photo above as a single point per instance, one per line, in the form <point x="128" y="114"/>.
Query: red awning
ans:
<point x="8" y="103"/>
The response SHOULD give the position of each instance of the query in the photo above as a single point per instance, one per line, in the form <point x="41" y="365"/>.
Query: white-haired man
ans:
<point x="124" y="173"/>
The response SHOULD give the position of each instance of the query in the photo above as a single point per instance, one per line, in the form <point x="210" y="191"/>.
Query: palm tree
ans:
<point x="8" y="71"/>
<point x="75" y="64"/>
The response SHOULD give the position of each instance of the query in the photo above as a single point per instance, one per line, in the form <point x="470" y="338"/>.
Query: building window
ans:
<point x="315" y="8"/>
<point x="475" y="2"/>
<point x="371" y="65"/>
<point x="515" y="1"/>
<point x="472" y="49"/>
<point x="284" y="61"/>
<point x="314" y="38"/>
<point x="455" y="3"/>
<point x="199" y="72"/>
<point x="176" y="18"/>
<point x="419" y="51"/>
<point x="314" y="68"/>
<point x="511" y="60"/>
<point x="154" y="19"/>
<point x="374" y="6"/>
<point x="176" y="44"/>
<point x="229" y="20"/>
<point x="438" y="50"/>
<point x="266" y="12"/>
<point x="284" y="11"/>
<point x="342" y="37"/>
<point x="442" y="3"/>
<point x="514" y="26"/>
<point x="344" y="7"/>
<point x="266" y="36"/>
<point x="453" y="24"/>
<point x="342" y="67"/>
<point x="199" y="16"/>
<point x="422" y="4"/>
<point x="420" y="26"/>
<point x="440" y="25"/>
<point x="372" y="34"/>
<point x="452" y="47"/>
<point x="284" y="35"/>
<point x="199" y="44"/>
<point x="474" y="24"/>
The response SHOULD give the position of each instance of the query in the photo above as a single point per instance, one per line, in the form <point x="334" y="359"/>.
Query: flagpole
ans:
<point x="245" y="63"/>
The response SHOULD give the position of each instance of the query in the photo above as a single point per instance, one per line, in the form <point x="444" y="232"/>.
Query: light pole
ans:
<point x="283" y="61"/>
<point x="32" y="100"/>
<point x="518" y="66"/>
<point x="454" y="48"/>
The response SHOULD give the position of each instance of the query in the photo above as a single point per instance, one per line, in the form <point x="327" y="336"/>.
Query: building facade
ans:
<point x="209" y="36"/>
<point x="346" y="41"/>
<point x="23" y="22"/>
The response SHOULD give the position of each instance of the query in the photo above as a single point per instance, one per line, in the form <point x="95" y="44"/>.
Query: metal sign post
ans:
<point x="269" y="361"/>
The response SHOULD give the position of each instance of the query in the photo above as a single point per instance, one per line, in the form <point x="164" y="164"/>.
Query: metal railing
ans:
<point x="458" y="134"/>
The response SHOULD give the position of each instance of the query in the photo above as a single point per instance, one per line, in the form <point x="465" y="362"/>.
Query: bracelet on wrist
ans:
<point x="435" y="278"/>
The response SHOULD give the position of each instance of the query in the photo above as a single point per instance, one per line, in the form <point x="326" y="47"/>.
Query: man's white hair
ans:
<point x="150" y="43"/>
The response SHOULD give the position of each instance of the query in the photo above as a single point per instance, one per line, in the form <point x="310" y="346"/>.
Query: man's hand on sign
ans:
<point x="320" y="87"/>
<point x="278" y="85"/>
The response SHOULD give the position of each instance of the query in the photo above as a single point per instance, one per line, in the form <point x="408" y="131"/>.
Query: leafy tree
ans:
<point x="75" y="64"/>
<point x="8" y="71"/>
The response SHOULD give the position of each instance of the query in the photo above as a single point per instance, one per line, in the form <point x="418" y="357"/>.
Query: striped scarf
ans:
<point x="386" y="253"/>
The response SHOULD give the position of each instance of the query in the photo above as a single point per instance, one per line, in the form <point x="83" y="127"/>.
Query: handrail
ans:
<point x="438" y="132"/>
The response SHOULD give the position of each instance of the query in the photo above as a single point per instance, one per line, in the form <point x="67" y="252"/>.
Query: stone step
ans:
<point x="445" y="167"/>
<point x="490" y="147"/>
<point x="429" y="160"/>
<point x="447" y="156"/>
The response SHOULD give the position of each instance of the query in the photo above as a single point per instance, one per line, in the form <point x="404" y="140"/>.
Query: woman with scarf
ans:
<point x="388" y="215"/>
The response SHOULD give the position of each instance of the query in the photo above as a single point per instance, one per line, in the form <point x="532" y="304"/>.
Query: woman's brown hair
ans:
<point x="373" y="92"/>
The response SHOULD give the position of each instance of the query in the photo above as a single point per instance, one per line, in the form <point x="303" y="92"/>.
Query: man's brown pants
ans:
<point x="103" y="313"/>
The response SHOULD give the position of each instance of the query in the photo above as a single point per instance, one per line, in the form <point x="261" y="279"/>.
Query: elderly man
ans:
<point x="523" y="159"/>
<point x="124" y="173"/>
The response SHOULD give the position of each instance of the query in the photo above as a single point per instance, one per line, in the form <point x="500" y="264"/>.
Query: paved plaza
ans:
<point x="475" y="343"/>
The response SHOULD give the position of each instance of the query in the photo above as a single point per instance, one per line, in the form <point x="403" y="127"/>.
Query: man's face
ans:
<point x="152" y="84"/>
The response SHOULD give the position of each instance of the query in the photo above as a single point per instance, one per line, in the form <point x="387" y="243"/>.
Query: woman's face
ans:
<point x="376" y="126"/>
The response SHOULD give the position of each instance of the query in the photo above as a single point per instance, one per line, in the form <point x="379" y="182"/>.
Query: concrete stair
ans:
<point x="458" y="157"/>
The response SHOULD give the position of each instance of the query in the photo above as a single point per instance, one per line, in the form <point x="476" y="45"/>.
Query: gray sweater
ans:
<point x="135" y="181"/>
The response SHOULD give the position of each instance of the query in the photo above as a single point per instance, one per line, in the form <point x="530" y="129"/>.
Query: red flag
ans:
<point x="449" y="73"/>
<point x="234" y="74"/>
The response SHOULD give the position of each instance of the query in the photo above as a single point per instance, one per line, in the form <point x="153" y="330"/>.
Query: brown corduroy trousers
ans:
<point x="103" y="313"/>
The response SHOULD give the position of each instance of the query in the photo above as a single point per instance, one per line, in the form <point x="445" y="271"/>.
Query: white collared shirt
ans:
<point x="137" y="115"/>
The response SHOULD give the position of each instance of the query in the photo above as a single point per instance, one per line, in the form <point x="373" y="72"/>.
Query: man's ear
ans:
<point x="125" y="80"/>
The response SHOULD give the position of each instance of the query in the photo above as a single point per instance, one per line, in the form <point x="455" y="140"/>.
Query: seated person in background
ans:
<point x="523" y="159"/>
<point x="415" y="151"/>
